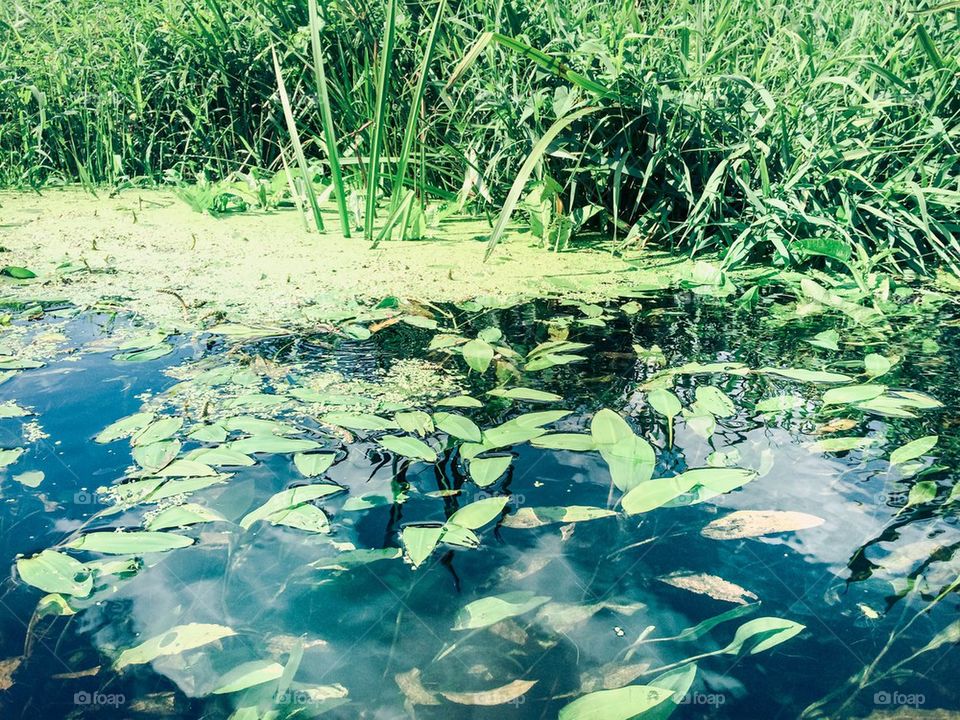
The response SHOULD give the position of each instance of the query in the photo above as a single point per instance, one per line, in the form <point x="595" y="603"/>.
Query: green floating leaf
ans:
<point x="156" y="455"/>
<point x="779" y="403"/>
<point x="146" y="355"/>
<point x="124" y="427"/>
<point x="922" y="492"/>
<point x="478" y="354"/>
<point x="12" y="363"/>
<point x="525" y="394"/>
<point x="129" y="543"/>
<point x="247" y="675"/>
<point x="255" y="426"/>
<point x="578" y="442"/>
<point x="187" y="468"/>
<point x="182" y="516"/>
<point x="409" y="447"/>
<point x="760" y="634"/>
<point x="30" y="479"/>
<point x="220" y="456"/>
<point x="914" y="449"/>
<point x="287" y="500"/>
<point x="621" y="704"/>
<point x="11" y="409"/>
<point x="17" y="272"/>
<point x="158" y="430"/>
<point x="713" y="401"/>
<point x="876" y="365"/>
<point x="810" y="376"/>
<point x="461" y="401"/>
<point x="457" y="426"/>
<point x="486" y="471"/>
<point x="173" y="642"/>
<point x="414" y="422"/>
<point x="54" y="572"/>
<point x="354" y="558"/>
<point x="664" y="402"/>
<point x="479" y="513"/>
<point x="419" y="541"/>
<point x="491" y="610"/>
<point x="532" y="517"/>
<point x="313" y="464"/>
<point x="630" y="458"/>
<point x="852" y="394"/>
<point x="302" y="517"/>
<point x="358" y="421"/>
<point x="828" y="340"/>
<point x="209" y="433"/>
<point x="273" y="444"/>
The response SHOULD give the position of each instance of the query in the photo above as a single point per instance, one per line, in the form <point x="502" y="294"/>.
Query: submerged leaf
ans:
<point x="710" y="585"/>
<point x="620" y="704"/>
<point x="760" y="634"/>
<point x="754" y="523"/>
<point x="531" y="517"/>
<point x="248" y="675"/>
<point x="288" y="499"/>
<point x="54" y="572"/>
<point x="173" y="642"/>
<point x="497" y="696"/>
<point x="490" y="610"/>
<point x="129" y="543"/>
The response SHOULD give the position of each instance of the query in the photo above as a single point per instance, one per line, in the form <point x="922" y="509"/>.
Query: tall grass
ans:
<point x="754" y="128"/>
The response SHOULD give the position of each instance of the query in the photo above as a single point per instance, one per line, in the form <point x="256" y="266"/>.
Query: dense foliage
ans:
<point x="757" y="128"/>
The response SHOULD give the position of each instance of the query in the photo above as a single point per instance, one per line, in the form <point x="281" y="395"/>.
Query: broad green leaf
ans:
<point x="156" y="455"/>
<point x="608" y="428"/>
<point x="852" y="394"/>
<point x="158" y="430"/>
<point x="828" y="339"/>
<point x="702" y="628"/>
<point x="478" y="354"/>
<point x="353" y="558"/>
<point x="248" y="675"/>
<point x="409" y="447"/>
<point x="271" y="444"/>
<point x="303" y="517"/>
<point x="479" y="513"/>
<point x="779" y="403"/>
<point x="415" y="421"/>
<point x="221" y="456"/>
<point x="419" y="541"/>
<point x="313" y="464"/>
<point x="580" y="442"/>
<point x="678" y="681"/>
<point x="651" y="494"/>
<point x="212" y="433"/>
<point x="714" y="401"/>
<point x="810" y="376"/>
<point x="913" y="449"/>
<point x="876" y="365"/>
<point x="491" y="610"/>
<point x="486" y="471"/>
<point x="538" y="419"/>
<point x="664" y="402"/>
<point x="54" y="572"/>
<point x="549" y="360"/>
<point x="124" y="427"/>
<point x="183" y="515"/>
<point x="287" y="499"/>
<point x="630" y="460"/>
<point x="358" y="421"/>
<point x="760" y="634"/>
<point x="462" y="401"/>
<point x="621" y="704"/>
<point x="185" y="469"/>
<point x="457" y="426"/>
<point x="256" y="426"/>
<point x="173" y="642"/>
<point x="506" y="435"/>
<point x="531" y="517"/>
<point x="922" y="492"/>
<point x="129" y="543"/>
<point x="525" y="394"/>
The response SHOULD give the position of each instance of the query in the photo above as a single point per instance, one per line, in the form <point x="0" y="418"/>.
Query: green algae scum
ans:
<point x="479" y="359"/>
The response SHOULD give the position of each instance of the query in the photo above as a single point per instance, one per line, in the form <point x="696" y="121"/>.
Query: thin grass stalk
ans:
<point x="409" y="133"/>
<point x="379" y="117"/>
<point x="329" y="137"/>
<point x="295" y="141"/>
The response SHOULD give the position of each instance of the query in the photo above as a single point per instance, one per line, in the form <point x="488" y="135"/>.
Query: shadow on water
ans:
<point x="379" y="638"/>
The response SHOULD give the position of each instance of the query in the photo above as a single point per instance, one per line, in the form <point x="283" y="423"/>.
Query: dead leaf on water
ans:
<point x="754" y="523"/>
<point x="7" y="668"/>
<point x="412" y="688"/>
<point x="612" y="676"/>
<point x="837" y="425"/>
<point x="497" y="696"/>
<point x="89" y="672"/>
<point x="710" y="585"/>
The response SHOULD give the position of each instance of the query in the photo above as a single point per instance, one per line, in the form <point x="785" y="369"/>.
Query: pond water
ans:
<point x="385" y="605"/>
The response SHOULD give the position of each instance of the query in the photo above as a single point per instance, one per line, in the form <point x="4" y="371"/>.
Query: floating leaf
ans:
<point x="156" y="431"/>
<point x="920" y="493"/>
<point x="248" y="675"/>
<point x="156" y="455"/>
<point x="255" y="426"/>
<point x="620" y="704"/>
<point x="413" y="690"/>
<point x="302" y="517"/>
<point x="811" y="376"/>
<point x="760" y="634"/>
<point x="414" y="422"/>
<point x="272" y="444"/>
<point x="876" y="365"/>
<point x="457" y="426"/>
<point x="409" y="447"/>
<point x="852" y="394"/>
<point x="486" y="471"/>
<point x="531" y="517"/>
<point x="828" y="339"/>
<point x="8" y="457"/>
<point x="353" y="558"/>
<point x="779" y="403"/>
<point x="129" y="543"/>
<point x="183" y="515"/>
<point x="358" y="421"/>
<point x="754" y="523"/>
<point x="497" y="696"/>
<point x="173" y="642"/>
<point x="711" y="586"/>
<point x="491" y="610"/>
<point x="145" y="355"/>
<point x="913" y="449"/>
<point x="664" y="402"/>
<point x="462" y="401"/>
<point x="580" y="442"/>
<point x="525" y="394"/>
<point x="30" y="479"/>
<point x="313" y="464"/>
<point x="479" y="513"/>
<point x="221" y="456"/>
<point x="54" y="572"/>
<point x="287" y="499"/>
<point x="478" y="354"/>
<point x="11" y="409"/>
<point x="419" y="541"/>
<point x="712" y="400"/>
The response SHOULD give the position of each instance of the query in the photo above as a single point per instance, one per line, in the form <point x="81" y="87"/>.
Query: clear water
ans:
<point x="851" y="581"/>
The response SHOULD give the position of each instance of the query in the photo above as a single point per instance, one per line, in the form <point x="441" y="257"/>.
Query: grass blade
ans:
<point x="379" y="117"/>
<point x="513" y="197"/>
<point x="327" y="117"/>
<point x="295" y="141"/>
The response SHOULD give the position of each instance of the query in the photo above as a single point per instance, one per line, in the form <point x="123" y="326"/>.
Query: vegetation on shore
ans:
<point x="759" y="130"/>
